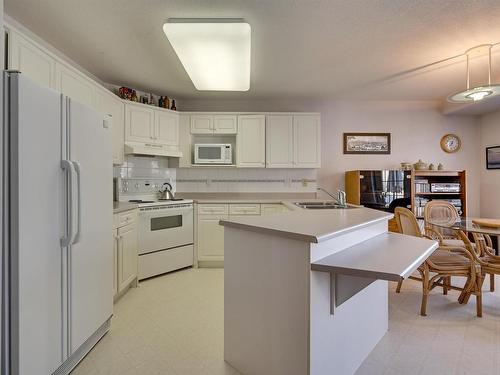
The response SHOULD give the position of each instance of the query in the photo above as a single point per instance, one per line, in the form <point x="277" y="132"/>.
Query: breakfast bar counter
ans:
<point x="305" y="292"/>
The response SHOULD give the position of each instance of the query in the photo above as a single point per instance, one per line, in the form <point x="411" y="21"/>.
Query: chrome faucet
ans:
<point x="340" y="198"/>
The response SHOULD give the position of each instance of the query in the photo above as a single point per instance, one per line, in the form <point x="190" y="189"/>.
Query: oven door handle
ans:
<point x="166" y="212"/>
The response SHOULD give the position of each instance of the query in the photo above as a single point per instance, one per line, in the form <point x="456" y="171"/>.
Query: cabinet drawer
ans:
<point x="212" y="209"/>
<point x="125" y="229"/>
<point x="244" y="209"/>
<point x="125" y="218"/>
<point x="273" y="208"/>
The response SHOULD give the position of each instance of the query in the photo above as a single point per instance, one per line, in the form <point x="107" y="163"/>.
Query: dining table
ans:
<point x="478" y="227"/>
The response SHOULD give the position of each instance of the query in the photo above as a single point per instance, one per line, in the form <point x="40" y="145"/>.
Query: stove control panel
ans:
<point x="134" y="186"/>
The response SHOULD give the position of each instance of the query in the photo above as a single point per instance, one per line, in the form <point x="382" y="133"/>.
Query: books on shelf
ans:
<point x="422" y="186"/>
<point x="420" y="203"/>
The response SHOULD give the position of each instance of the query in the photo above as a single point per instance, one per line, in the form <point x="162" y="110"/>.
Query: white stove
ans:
<point x="142" y="203"/>
<point x="165" y="232"/>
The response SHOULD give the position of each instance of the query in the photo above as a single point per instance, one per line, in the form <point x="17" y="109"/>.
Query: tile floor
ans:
<point x="173" y="325"/>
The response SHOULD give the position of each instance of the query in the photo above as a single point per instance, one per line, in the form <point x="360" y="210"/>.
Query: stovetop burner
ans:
<point x="140" y="201"/>
<point x="171" y="199"/>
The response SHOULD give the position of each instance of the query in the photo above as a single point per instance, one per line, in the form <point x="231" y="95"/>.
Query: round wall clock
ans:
<point x="451" y="143"/>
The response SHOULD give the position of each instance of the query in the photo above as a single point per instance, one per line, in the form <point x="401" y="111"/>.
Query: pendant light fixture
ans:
<point x="476" y="93"/>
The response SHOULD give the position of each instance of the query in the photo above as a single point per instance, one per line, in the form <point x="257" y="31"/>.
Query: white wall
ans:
<point x="490" y="179"/>
<point x="416" y="129"/>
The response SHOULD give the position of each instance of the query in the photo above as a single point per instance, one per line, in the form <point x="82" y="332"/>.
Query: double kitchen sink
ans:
<point x="329" y="205"/>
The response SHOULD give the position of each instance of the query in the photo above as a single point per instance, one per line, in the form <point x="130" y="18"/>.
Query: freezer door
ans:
<point x="91" y="254"/>
<point x="35" y="180"/>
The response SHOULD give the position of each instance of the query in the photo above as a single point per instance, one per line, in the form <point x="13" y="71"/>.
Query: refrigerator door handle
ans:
<point x="68" y="167"/>
<point x="76" y="165"/>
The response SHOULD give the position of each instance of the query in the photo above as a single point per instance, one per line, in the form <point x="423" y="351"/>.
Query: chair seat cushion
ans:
<point x="449" y="258"/>
<point x="454" y="243"/>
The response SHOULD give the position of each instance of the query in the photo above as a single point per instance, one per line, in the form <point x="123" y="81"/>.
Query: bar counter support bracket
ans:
<point x="343" y="287"/>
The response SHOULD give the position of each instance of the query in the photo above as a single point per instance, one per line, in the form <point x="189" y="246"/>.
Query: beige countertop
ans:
<point x="310" y="225"/>
<point x="241" y="201"/>
<point x="123" y="206"/>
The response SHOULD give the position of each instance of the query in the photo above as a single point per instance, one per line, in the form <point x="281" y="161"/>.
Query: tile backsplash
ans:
<point x="213" y="179"/>
<point x="260" y="180"/>
<point x="144" y="167"/>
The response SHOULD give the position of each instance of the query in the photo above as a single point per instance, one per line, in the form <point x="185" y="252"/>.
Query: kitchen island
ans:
<point x="306" y="292"/>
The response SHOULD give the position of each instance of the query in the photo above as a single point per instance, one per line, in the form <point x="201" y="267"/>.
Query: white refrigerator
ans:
<point x="57" y="249"/>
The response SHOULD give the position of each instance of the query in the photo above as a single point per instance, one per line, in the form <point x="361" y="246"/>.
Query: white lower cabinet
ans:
<point x="210" y="239"/>
<point x="210" y="235"/>
<point x="273" y="208"/>
<point x="127" y="256"/>
<point x="125" y="251"/>
<point x="115" y="262"/>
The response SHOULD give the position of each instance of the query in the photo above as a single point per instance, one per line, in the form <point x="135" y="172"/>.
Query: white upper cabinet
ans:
<point x="251" y="141"/>
<point x="31" y="60"/>
<point x="307" y="141"/>
<point x="279" y="141"/>
<point x="167" y="128"/>
<point x="225" y="124"/>
<point x="214" y="124"/>
<point x="75" y="85"/>
<point x="146" y="124"/>
<point x="202" y="124"/>
<point x="185" y="141"/>
<point x="139" y="123"/>
<point x="110" y="104"/>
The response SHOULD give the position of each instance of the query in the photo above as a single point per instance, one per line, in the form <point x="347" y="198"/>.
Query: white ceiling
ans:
<point x="300" y="48"/>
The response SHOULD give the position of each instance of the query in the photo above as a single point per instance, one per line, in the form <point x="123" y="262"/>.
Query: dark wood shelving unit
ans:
<point x="356" y="195"/>
<point x="458" y="176"/>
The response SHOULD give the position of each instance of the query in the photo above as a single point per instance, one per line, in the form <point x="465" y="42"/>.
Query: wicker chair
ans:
<point x="485" y="256"/>
<point x="446" y="212"/>
<point x="442" y="264"/>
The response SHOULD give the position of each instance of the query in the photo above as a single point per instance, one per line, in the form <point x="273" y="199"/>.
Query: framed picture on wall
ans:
<point x="493" y="157"/>
<point x="367" y="143"/>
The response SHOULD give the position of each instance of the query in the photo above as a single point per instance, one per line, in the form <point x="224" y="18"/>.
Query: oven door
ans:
<point x="164" y="228"/>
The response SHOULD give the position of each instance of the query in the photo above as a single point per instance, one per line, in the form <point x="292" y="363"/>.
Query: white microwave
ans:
<point x="213" y="153"/>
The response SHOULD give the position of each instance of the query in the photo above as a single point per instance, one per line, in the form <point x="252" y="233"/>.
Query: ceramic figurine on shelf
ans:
<point x="432" y="167"/>
<point x="173" y="108"/>
<point x="440" y="167"/>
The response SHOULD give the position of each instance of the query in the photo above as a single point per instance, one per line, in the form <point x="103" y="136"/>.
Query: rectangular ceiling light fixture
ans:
<point x="214" y="52"/>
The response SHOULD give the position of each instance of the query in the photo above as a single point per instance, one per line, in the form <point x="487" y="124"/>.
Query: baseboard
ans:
<point x="210" y="264"/>
<point x="83" y="350"/>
